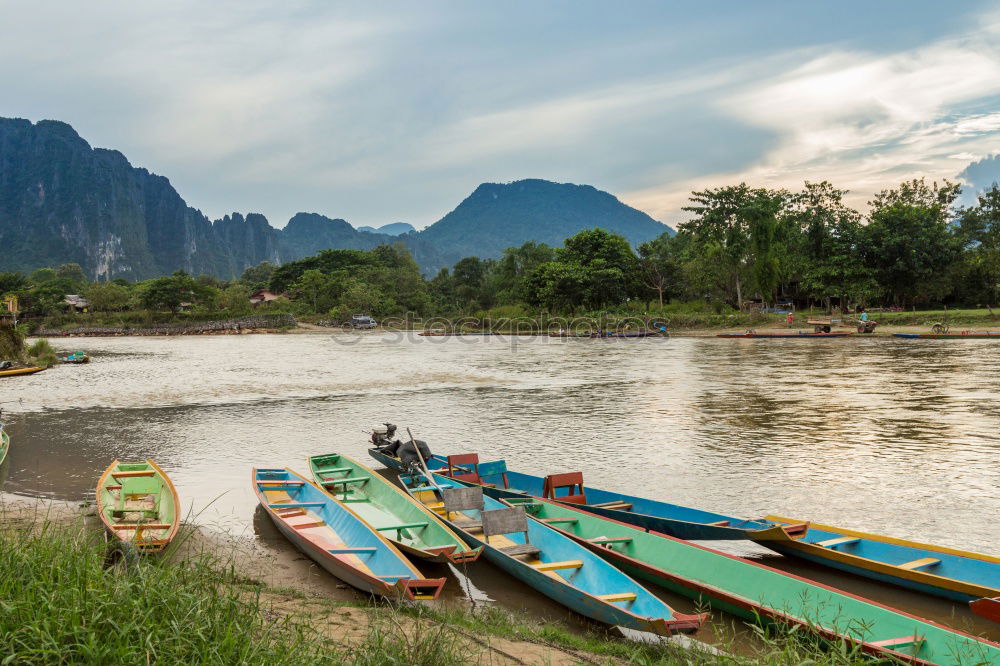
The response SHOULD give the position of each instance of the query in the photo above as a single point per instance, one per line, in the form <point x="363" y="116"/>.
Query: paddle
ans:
<point x="423" y="465"/>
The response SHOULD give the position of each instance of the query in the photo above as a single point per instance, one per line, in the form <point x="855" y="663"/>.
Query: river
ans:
<point x="892" y="436"/>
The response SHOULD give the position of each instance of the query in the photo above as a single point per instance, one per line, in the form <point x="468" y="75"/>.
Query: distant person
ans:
<point x="790" y="319"/>
<point x="864" y="315"/>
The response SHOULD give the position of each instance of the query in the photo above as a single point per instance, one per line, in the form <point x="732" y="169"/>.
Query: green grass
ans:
<point x="954" y="318"/>
<point x="60" y="605"/>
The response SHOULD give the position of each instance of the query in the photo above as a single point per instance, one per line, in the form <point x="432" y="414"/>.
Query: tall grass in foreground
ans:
<point x="59" y="605"/>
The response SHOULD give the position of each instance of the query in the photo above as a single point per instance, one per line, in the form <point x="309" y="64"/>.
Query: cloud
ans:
<point x="862" y="120"/>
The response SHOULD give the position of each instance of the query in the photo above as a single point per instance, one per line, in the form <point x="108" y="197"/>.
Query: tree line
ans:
<point x="913" y="247"/>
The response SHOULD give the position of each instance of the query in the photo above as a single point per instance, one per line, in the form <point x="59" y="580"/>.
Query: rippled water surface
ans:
<point x="893" y="436"/>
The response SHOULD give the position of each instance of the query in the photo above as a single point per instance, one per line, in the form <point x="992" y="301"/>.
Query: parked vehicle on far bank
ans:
<point x="361" y="321"/>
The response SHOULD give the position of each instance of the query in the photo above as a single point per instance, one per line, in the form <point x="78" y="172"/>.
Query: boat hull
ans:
<point x="140" y="484"/>
<point x="948" y="336"/>
<point x="784" y="336"/>
<point x="382" y="504"/>
<point x="673" y="520"/>
<point x="335" y="538"/>
<point x="571" y="590"/>
<point x="953" y="574"/>
<point x="759" y="593"/>
<point x="20" y="371"/>
<point x="4" y="444"/>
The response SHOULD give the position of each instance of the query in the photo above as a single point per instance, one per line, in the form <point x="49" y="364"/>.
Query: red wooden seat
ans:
<point x="464" y="467"/>
<point x="571" y="480"/>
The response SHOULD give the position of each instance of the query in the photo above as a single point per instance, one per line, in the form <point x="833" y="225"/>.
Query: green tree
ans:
<point x="107" y="297"/>
<point x="910" y="250"/>
<point x="258" y="277"/>
<point x="235" y="299"/>
<point x="72" y="272"/>
<point x="734" y="229"/>
<point x="979" y="233"/>
<point x="312" y="285"/>
<point x="661" y="266"/>
<point x="169" y="292"/>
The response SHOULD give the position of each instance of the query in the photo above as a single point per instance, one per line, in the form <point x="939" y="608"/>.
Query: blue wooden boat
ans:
<point x="338" y="540"/>
<point x="945" y="572"/>
<point x="670" y="519"/>
<point x="548" y="561"/>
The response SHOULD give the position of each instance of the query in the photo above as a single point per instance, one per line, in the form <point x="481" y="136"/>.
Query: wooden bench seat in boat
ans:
<point x="520" y="549"/>
<point x="621" y="506"/>
<point x="919" y="564"/>
<point x="627" y="596"/>
<point x="145" y="526"/>
<point x="905" y="641"/>
<point x="839" y="541"/>
<point x="556" y="566"/>
<point x="402" y="526"/>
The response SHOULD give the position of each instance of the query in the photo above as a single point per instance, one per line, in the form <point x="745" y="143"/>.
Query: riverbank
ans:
<point x="215" y="599"/>
<point x="675" y="324"/>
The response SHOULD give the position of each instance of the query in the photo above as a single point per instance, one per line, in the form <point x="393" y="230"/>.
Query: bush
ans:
<point x="11" y="344"/>
<point x="41" y="353"/>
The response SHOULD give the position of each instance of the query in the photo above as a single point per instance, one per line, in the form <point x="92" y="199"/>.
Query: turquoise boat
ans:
<point x="758" y="593"/>
<point x="548" y="561"/>
<point x="336" y="539"/>
<point x="412" y="527"/>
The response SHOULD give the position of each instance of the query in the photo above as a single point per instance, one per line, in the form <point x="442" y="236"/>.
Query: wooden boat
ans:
<point x="338" y="540"/>
<point x="800" y="335"/>
<point x="21" y="371"/>
<point x="605" y="334"/>
<point x="427" y="334"/>
<point x="138" y="504"/>
<point x="4" y="444"/>
<point x="759" y="593"/>
<point x="944" y="572"/>
<point x="965" y="335"/>
<point x="548" y="561"/>
<point x="75" y="357"/>
<point x="677" y="521"/>
<point x="415" y="529"/>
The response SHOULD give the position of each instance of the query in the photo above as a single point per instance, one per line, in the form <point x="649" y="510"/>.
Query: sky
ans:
<point x="382" y="111"/>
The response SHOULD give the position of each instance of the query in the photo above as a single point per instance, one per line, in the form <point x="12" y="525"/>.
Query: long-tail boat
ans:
<point x="946" y="572"/>
<point x="74" y="357"/>
<point x="678" y="521"/>
<point x="337" y="539"/>
<point x="546" y="560"/>
<point x="21" y="371"/>
<point x="964" y="335"/>
<point x="138" y="504"/>
<point x="415" y="529"/>
<point x="759" y="593"/>
<point x="800" y="335"/>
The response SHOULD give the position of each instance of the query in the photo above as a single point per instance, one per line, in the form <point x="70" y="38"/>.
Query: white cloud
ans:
<point x="861" y="121"/>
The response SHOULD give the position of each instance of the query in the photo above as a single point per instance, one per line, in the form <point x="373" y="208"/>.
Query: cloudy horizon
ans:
<point x="387" y="113"/>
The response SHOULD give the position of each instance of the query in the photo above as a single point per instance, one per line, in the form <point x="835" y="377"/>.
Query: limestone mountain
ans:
<point x="62" y="201"/>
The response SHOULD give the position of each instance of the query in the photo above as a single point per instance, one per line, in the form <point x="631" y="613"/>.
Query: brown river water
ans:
<point x="891" y="436"/>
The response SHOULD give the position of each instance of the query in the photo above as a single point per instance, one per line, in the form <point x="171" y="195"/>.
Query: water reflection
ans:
<point x="894" y="436"/>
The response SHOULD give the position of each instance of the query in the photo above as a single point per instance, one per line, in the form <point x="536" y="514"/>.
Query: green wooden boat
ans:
<point x="138" y="504"/>
<point x="759" y="593"/>
<point x="411" y="526"/>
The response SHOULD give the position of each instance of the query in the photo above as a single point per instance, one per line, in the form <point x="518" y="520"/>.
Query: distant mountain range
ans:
<point x="394" y="229"/>
<point x="62" y="201"/>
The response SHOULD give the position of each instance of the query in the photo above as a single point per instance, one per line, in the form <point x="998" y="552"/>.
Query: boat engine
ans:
<point x="382" y="438"/>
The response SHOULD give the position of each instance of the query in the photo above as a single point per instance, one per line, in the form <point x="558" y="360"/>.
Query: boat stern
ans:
<point x="988" y="608"/>
<point x="680" y="623"/>
<point x="463" y="557"/>
<point x="421" y="589"/>
<point x="783" y="532"/>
